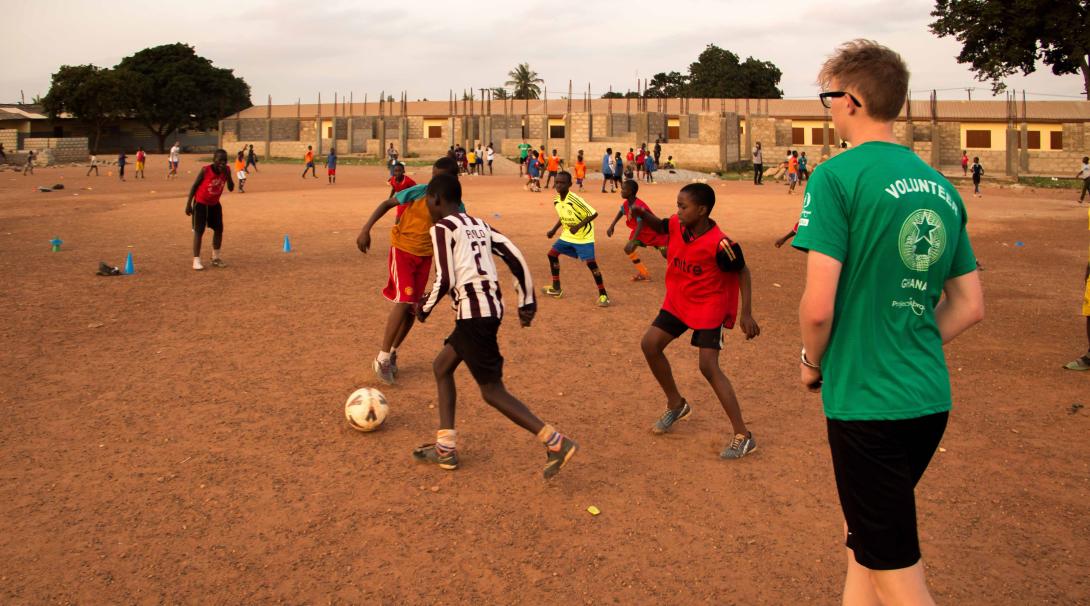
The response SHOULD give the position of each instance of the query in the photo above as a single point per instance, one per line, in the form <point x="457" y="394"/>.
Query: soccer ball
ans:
<point x="366" y="409"/>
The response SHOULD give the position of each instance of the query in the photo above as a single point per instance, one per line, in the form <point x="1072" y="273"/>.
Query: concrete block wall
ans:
<point x="284" y="129"/>
<point x="949" y="142"/>
<point x="10" y="138"/>
<point x="60" y="150"/>
<point x="1055" y="163"/>
<point x="251" y="129"/>
<point x="416" y="127"/>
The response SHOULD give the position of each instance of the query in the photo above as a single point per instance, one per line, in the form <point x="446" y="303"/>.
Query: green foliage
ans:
<point x="170" y="87"/>
<point x="615" y="95"/>
<point x="499" y="93"/>
<point x="717" y="73"/>
<point x="525" y="82"/>
<point x="1051" y="182"/>
<point x="673" y="84"/>
<point x="1001" y="38"/>
<point x="90" y="94"/>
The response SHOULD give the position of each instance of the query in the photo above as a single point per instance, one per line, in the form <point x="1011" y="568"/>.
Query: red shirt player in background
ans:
<point x="705" y="272"/>
<point x="640" y="235"/>
<point x="206" y="192"/>
<point x="399" y="182"/>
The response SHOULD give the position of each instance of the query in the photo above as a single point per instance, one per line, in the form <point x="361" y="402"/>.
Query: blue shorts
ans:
<point x="583" y="252"/>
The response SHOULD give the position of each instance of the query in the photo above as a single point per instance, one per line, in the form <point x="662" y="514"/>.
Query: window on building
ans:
<point x="1033" y="139"/>
<point x="817" y="135"/>
<point x="673" y="132"/>
<point x="798" y="136"/>
<point x="1057" y="139"/>
<point x="741" y="131"/>
<point x="556" y="131"/>
<point x="329" y="132"/>
<point x="979" y="139"/>
<point x="435" y="132"/>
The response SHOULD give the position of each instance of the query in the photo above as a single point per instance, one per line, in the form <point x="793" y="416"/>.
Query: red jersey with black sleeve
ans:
<point x="406" y="183"/>
<point x="702" y="277"/>
<point x="211" y="187"/>
<point x="639" y="232"/>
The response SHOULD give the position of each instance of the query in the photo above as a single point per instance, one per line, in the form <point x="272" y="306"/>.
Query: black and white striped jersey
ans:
<point x="462" y="252"/>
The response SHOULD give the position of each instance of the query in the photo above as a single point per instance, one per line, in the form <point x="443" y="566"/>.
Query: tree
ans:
<point x="1000" y="38"/>
<point x="525" y="81"/>
<point x="499" y="93"/>
<point x="616" y="95"/>
<point x="717" y="73"/>
<point x="170" y="87"/>
<point x="90" y="94"/>
<point x="673" y="84"/>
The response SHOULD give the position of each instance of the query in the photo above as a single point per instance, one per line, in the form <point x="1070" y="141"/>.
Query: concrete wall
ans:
<point x="53" y="151"/>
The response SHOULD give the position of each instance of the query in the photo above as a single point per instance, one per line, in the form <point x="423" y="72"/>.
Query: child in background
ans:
<point x="965" y="163"/>
<point x="580" y="170"/>
<point x="607" y="170"/>
<point x="240" y="172"/>
<point x="704" y="276"/>
<point x="804" y="173"/>
<point x="618" y="171"/>
<point x="29" y="166"/>
<point x="491" y="156"/>
<point x="308" y="163"/>
<point x="638" y="237"/>
<point x="480" y="160"/>
<point x="471" y="161"/>
<point x="122" y="159"/>
<point x="141" y="157"/>
<point x="471" y="279"/>
<point x="553" y="166"/>
<point x="398" y="182"/>
<point x="978" y="172"/>
<point x="577" y="239"/>
<point x="649" y="168"/>
<point x="533" y="172"/>
<point x="331" y="166"/>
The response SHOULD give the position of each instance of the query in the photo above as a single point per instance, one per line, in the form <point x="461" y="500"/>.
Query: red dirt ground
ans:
<point x="178" y="437"/>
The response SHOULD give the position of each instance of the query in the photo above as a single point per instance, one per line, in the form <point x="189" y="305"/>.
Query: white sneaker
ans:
<point x="197" y="265"/>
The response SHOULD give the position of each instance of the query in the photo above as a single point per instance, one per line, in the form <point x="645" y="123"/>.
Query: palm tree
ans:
<point x="525" y="82"/>
<point x="499" y="94"/>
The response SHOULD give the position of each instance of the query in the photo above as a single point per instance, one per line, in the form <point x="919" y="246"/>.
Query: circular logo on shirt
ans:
<point x="922" y="239"/>
<point x="806" y="200"/>
<point x="408" y="291"/>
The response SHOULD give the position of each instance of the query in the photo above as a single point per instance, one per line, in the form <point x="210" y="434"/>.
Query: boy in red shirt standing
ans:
<point x="705" y="272"/>
<point x="207" y="212"/>
<point x="639" y="235"/>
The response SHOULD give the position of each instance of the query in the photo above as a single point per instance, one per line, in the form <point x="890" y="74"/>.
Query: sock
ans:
<point x="383" y="356"/>
<point x="593" y="267"/>
<point x="554" y="267"/>
<point x="640" y="267"/>
<point x="550" y="437"/>
<point x="215" y="253"/>
<point x="444" y="441"/>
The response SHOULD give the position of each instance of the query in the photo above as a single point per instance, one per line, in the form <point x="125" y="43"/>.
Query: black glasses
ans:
<point x="836" y="94"/>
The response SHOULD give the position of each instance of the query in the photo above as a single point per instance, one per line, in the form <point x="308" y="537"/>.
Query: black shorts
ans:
<point x="877" y="465"/>
<point x="709" y="338"/>
<point x="474" y="340"/>
<point x="207" y="216"/>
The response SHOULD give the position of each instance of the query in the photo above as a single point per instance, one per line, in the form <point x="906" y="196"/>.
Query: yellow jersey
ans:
<point x="573" y="210"/>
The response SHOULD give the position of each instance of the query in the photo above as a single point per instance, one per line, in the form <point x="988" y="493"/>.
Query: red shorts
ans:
<point x="408" y="276"/>
<point x="331" y="171"/>
<point x="650" y="237"/>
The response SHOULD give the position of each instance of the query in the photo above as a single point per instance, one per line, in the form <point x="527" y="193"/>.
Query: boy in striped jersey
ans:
<point x="463" y="247"/>
<point x="577" y="239"/>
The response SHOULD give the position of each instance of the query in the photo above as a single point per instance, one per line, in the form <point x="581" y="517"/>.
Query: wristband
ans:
<point x="807" y="363"/>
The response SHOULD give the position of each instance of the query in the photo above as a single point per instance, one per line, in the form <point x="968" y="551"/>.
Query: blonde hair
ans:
<point x="877" y="74"/>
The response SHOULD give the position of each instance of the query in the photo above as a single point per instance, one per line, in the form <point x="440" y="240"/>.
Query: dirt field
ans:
<point x="178" y="437"/>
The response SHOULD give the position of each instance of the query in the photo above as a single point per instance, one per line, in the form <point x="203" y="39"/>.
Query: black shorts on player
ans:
<point x="475" y="342"/>
<point x="709" y="338"/>
<point x="205" y="215"/>
<point x="877" y="465"/>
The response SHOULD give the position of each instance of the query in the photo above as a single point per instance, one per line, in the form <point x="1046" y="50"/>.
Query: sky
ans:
<point x="292" y="49"/>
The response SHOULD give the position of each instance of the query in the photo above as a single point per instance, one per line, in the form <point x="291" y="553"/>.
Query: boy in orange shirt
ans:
<point x="553" y="166"/>
<point x="580" y="170"/>
<point x="308" y="158"/>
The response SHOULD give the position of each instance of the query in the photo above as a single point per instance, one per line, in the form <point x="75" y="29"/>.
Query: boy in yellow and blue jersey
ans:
<point x="577" y="239"/>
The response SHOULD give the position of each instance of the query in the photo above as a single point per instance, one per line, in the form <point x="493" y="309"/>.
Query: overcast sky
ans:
<point x="293" y="49"/>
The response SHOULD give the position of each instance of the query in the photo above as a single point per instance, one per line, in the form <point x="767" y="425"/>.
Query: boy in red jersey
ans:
<point x="705" y="272"/>
<point x="206" y="192"/>
<point x="639" y="236"/>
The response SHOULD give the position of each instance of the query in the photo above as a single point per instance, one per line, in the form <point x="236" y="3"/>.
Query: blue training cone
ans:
<point x="129" y="269"/>
<point x="287" y="244"/>
<point x="55" y="243"/>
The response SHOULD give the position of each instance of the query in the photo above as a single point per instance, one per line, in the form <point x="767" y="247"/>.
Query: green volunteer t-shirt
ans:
<point x="898" y="228"/>
<point x="524" y="150"/>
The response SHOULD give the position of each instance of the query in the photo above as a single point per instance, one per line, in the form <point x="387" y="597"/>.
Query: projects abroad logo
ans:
<point x="922" y="239"/>
<point x="804" y="217"/>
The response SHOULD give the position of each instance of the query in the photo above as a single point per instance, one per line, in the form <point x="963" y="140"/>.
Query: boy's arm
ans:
<point x="580" y="225"/>
<point x="816" y="312"/>
<point x="363" y="241"/>
<point x="650" y="221"/>
<point x="193" y="192"/>
<point x="781" y="241"/>
<point x="444" y="270"/>
<point x="524" y="285"/>
<point x="962" y="307"/>
<point x="230" y="181"/>
<point x="745" y="315"/>
<point x="552" y="232"/>
<point x="609" y="230"/>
